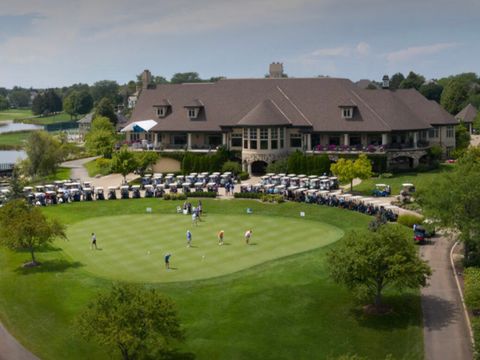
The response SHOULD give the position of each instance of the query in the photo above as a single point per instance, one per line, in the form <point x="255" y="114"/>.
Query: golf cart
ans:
<point x="186" y="187"/>
<point x="333" y="183"/>
<point x="199" y="186"/>
<point x="112" y="193"/>
<point x="420" y="234"/>
<point x="212" y="187"/>
<point x="135" y="191"/>
<point x="124" y="192"/>
<point x="149" y="191"/>
<point x="407" y="192"/>
<point x="51" y="197"/>
<point x="382" y="190"/>
<point x="99" y="195"/>
<point x="159" y="190"/>
<point x="87" y="194"/>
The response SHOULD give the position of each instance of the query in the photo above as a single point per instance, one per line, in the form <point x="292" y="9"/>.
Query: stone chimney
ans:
<point x="146" y="79"/>
<point x="276" y="70"/>
<point x="385" y="82"/>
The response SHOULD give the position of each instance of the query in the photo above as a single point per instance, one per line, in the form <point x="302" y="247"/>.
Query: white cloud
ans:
<point x="418" y="51"/>
<point x="362" y="49"/>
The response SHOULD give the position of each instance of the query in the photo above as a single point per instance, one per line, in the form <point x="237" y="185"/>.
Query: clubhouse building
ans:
<point x="266" y="119"/>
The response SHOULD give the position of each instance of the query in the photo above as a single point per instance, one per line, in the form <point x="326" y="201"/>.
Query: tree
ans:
<point x="412" y="81"/>
<point x="232" y="166"/>
<point x="462" y="138"/>
<point x="432" y="91"/>
<point x="105" y="89"/>
<point x="454" y="95"/>
<point x="78" y="102"/>
<point x="457" y="206"/>
<point x="396" y="80"/>
<point x="24" y="227"/>
<point x="44" y="154"/>
<point x="369" y="262"/>
<point x="346" y="170"/>
<point x="19" y="97"/>
<point x="124" y="162"/>
<point x="101" y="138"/>
<point x="187" y="77"/>
<point x="16" y="185"/>
<point x="105" y="109"/>
<point x="145" y="160"/>
<point x="46" y="103"/>
<point x="140" y="323"/>
<point x="4" y="104"/>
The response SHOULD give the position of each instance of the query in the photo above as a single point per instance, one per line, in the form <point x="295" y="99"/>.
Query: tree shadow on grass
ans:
<point x="405" y="312"/>
<point x="42" y="249"/>
<point x="57" y="265"/>
<point x="178" y="355"/>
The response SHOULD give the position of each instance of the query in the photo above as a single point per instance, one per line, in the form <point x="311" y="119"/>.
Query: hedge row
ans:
<point x="173" y="196"/>
<point x="247" y="195"/>
<point x="272" y="198"/>
<point x="205" y="194"/>
<point x="472" y="300"/>
<point x="410" y="220"/>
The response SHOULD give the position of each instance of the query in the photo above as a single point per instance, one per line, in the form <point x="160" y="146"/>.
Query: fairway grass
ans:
<point x="132" y="247"/>
<point x="283" y="308"/>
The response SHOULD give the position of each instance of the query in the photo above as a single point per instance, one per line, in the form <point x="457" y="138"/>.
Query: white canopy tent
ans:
<point x="138" y="126"/>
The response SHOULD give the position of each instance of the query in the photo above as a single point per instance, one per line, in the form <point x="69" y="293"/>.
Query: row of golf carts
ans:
<point x="192" y="181"/>
<point x="283" y="184"/>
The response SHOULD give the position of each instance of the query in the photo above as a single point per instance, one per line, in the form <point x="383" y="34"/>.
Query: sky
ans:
<point x="50" y="43"/>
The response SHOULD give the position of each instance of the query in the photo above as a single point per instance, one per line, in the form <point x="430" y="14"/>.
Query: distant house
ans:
<point x="467" y="116"/>
<point x="266" y="119"/>
<point x="85" y="123"/>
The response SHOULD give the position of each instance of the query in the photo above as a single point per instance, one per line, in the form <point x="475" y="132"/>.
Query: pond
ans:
<point x="10" y="126"/>
<point x="11" y="156"/>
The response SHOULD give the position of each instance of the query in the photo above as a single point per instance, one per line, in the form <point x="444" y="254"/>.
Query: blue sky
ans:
<point x="46" y="43"/>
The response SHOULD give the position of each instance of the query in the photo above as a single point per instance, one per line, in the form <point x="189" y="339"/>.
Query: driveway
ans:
<point x="445" y="330"/>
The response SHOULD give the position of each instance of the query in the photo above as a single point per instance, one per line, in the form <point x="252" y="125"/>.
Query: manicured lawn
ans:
<point x="283" y="308"/>
<point x="420" y="180"/>
<point x="13" y="114"/>
<point x="62" y="173"/>
<point x="14" y="139"/>
<point x="94" y="170"/>
<point x="45" y="120"/>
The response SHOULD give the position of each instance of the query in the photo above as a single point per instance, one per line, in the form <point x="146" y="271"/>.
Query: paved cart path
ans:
<point x="11" y="349"/>
<point x="445" y="329"/>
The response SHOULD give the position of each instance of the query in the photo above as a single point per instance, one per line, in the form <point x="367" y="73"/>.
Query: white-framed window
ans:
<point x="245" y="138"/>
<point x="193" y="113"/>
<point x="296" y="140"/>
<point x="347" y="113"/>
<point x="236" y="140"/>
<point x="433" y="133"/>
<point x="253" y="138"/>
<point x="264" y="139"/>
<point x="274" y="138"/>
<point x="161" y="111"/>
<point x="134" y="136"/>
<point x="282" y="138"/>
<point x="450" y="132"/>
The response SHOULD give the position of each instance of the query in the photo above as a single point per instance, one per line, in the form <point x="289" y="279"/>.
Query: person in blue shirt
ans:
<point x="189" y="238"/>
<point x="167" y="261"/>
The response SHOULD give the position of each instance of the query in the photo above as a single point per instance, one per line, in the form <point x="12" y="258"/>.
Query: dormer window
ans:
<point x="161" y="111"/>
<point x="193" y="112"/>
<point x="347" y="112"/>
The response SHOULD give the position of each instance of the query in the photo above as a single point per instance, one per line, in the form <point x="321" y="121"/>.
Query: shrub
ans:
<point x="104" y="166"/>
<point x="476" y="336"/>
<point x="232" y="166"/>
<point x="173" y="196"/>
<point x="472" y="288"/>
<point x="272" y="198"/>
<point x="247" y="195"/>
<point x="205" y="194"/>
<point x="409" y="220"/>
<point x="385" y="176"/>
<point x="243" y="176"/>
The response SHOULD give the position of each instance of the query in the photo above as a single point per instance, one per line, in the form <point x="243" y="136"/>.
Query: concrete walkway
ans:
<point x="445" y="329"/>
<point x="11" y="349"/>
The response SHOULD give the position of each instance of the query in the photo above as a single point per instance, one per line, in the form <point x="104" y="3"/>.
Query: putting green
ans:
<point x="132" y="247"/>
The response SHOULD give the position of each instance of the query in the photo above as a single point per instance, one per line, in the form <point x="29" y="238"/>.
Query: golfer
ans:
<point x="248" y="235"/>
<point x="167" y="261"/>
<point x="189" y="238"/>
<point x="194" y="218"/>
<point x="220" y="237"/>
<point x="94" y="241"/>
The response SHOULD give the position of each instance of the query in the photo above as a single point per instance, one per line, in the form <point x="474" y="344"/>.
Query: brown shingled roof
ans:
<point x="265" y="113"/>
<point x="468" y="114"/>
<point x="309" y="102"/>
